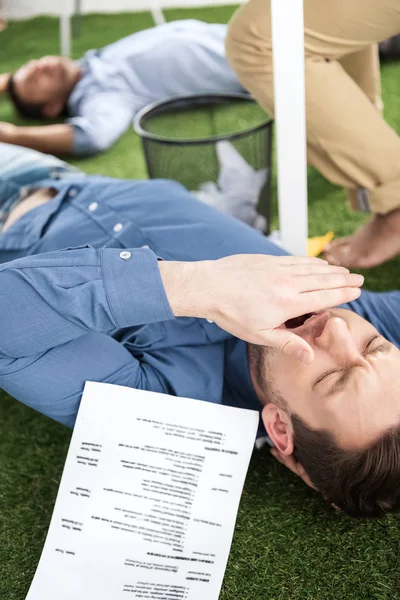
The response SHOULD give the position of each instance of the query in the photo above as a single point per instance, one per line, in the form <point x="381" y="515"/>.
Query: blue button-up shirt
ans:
<point x="178" y="58"/>
<point x="101" y="313"/>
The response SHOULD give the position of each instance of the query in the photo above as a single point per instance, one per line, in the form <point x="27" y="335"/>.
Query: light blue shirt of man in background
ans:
<point x="178" y="58"/>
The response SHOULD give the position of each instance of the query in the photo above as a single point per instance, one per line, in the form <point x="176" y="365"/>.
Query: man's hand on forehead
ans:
<point x="252" y="296"/>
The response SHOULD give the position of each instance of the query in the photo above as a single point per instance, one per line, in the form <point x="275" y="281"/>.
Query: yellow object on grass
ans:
<point x="316" y="245"/>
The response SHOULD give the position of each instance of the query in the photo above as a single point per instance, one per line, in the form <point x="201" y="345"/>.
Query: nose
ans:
<point x="337" y="340"/>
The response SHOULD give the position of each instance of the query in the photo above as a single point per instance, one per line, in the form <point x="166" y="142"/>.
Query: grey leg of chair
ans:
<point x="77" y="19"/>
<point x="65" y="32"/>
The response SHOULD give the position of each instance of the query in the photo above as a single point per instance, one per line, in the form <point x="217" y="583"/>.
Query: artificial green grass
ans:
<point x="288" y="545"/>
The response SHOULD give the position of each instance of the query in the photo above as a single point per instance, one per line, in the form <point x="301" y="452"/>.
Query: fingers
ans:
<point x="315" y="301"/>
<point x="329" y="281"/>
<point x="287" y="342"/>
<point x="309" y="269"/>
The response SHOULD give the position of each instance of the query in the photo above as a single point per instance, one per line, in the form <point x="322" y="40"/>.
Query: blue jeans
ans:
<point x="21" y="167"/>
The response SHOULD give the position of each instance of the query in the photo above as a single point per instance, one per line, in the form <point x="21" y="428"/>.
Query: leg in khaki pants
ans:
<point x="347" y="137"/>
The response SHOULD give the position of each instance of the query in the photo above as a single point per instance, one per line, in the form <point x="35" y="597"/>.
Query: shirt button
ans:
<point x="117" y="227"/>
<point x="92" y="206"/>
<point x="72" y="192"/>
<point x="125" y="255"/>
<point x="209" y="321"/>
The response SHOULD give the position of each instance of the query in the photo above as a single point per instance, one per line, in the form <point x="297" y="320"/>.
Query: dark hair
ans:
<point x="362" y="483"/>
<point x="26" y="109"/>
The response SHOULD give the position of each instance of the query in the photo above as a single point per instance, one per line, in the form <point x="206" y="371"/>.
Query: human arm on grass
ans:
<point x="50" y="139"/>
<point x="103" y="119"/>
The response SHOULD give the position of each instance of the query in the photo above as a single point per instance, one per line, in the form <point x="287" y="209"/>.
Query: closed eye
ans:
<point x="324" y="377"/>
<point x="371" y="348"/>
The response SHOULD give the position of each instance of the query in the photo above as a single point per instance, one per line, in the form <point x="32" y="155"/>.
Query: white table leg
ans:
<point x="157" y="13"/>
<point x="290" y="123"/>
<point x="65" y="27"/>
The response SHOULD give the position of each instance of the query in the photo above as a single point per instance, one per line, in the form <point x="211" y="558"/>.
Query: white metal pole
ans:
<point x="157" y="13"/>
<point x="65" y="27"/>
<point x="290" y="121"/>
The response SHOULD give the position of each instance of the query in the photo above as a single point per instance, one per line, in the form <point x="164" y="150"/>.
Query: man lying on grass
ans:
<point x="100" y="94"/>
<point x="172" y="296"/>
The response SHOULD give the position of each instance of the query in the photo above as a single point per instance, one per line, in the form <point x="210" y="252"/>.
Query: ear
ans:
<point x="279" y="428"/>
<point x="53" y="109"/>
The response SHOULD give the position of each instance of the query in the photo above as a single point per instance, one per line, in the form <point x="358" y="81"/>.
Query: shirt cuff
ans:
<point x="83" y="144"/>
<point x="134" y="288"/>
<point x="385" y="197"/>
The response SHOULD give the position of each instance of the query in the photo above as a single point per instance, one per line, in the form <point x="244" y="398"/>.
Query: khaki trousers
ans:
<point x="347" y="138"/>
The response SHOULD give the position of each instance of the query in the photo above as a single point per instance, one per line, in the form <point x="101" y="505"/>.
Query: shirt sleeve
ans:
<point x="103" y="118"/>
<point x="50" y="299"/>
<point x="382" y="310"/>
<point x="56" y="313"/>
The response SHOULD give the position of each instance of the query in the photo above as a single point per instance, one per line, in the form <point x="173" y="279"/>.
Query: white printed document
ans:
<point x="148" y="499"/>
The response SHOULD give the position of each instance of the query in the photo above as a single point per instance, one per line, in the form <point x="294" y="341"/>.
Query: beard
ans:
<point x="261" y="360"/>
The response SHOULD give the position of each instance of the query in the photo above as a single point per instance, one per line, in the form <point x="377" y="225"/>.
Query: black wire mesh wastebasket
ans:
<point x="181" y="139"/>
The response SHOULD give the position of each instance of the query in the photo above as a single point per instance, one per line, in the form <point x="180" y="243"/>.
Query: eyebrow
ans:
<point x="385" y="347"/>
